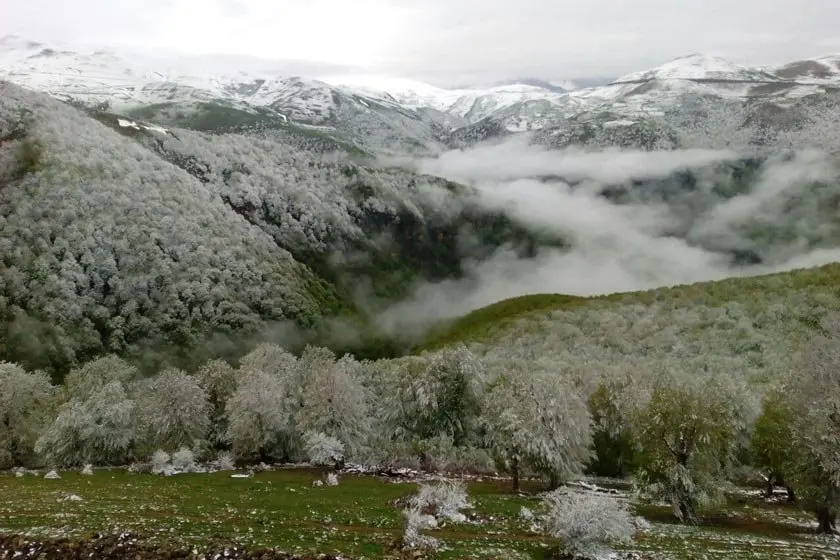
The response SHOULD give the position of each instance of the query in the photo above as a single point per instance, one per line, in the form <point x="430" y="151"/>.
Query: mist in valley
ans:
<point x="648" y="239"/>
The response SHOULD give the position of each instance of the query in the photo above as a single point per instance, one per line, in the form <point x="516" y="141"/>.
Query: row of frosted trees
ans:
<point x="683" y="433"/>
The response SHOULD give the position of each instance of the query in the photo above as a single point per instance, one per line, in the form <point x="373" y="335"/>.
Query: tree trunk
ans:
<point x="768" y="492"/>
<point x="791" y="495"/>
<point x="827" y="519"/>
<point x="514" y="472"/>
<point x="687" y="513"/>
<point x="553" y="481"/>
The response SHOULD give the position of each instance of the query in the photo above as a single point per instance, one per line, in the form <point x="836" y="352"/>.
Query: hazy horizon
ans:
<point x="445" y="44"/>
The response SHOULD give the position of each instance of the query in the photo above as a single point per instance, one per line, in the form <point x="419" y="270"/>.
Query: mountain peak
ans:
<point x="699" y="66"/>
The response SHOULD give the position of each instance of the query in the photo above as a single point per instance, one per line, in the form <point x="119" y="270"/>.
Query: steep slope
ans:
<point x="107" y="248"/>
<point x="150" y="240"/>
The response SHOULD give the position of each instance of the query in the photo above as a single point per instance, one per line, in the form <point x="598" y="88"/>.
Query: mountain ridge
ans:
<point x="106" y="76"/>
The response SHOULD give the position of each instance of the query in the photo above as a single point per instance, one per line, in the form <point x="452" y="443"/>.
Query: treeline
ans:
<point x="682" y="428"/>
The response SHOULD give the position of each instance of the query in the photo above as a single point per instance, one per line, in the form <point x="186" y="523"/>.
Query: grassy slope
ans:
<point x="283" y="509"/>
<point x="483" y="324"/>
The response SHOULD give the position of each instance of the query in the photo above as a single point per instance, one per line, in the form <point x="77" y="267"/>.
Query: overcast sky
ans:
<point x="447" y="41"/>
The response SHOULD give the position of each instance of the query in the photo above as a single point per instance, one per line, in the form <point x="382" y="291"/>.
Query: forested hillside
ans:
<point x="161" y="244"/>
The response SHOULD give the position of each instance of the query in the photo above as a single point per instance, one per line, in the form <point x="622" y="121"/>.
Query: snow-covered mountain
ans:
<point x="380" y="112"/>
<point x="700" y="67"/>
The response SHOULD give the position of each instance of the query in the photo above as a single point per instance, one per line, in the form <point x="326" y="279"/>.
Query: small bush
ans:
<point x="443" y="500"/>
<point x="160" y="461"/>
<point x="416" y="521"/>
<point x="184" y="460"/>
<point x="225" y="461"/>
<point x="323" y="449"/>
<point x="587" y="524"/>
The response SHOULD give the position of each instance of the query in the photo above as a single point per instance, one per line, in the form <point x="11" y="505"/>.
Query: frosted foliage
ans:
<point x="218" y="379"/>
<point x="271" y="359"/>
<point x="588" y="524"/>
<point x="173" y="410"/>
<point x="225" y="461"/>
<point x="160" y="461"/>
<point x="538" y="418"/>
<point x="687" y="434"/>
<point x="415" y="523"/>
<point x="333" y="402"/>
<point x="814" y="394"/>
<point x="323" y="449"/>
<point x="83" y="381"/>
<point x="136" y="250"/>
<point x="306" y="199"/>
<point x="25" y="406"/>
<point x="447" y="396"/>
<point x="184" y="460"/>
<point x="444" y="499"/>
<point x="98" y="430"/>
<point x="259" y="414"/>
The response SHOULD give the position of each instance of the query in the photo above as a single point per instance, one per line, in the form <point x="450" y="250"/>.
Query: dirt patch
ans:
<point x="128" y="547"/>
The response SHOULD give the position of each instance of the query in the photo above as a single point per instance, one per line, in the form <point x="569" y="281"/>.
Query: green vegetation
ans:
<point x="358" y="517"/>
<point x="484" y="324"/>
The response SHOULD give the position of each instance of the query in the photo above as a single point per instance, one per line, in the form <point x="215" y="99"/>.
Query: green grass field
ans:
<point x="282" y="509"/>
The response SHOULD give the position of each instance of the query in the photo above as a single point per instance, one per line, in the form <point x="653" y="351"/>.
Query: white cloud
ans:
<point x="617" y="247"/>
<point x="447" y="41"/>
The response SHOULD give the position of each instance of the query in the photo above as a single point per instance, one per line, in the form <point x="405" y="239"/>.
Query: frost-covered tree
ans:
<point x="770" y="441"/>
<point x="260" y="417"/>
<point x="446" y="397"/>
<point x="612" y="436"/>
<point x="89" y="378"/>
<point x="813" y="392"/>
<point x="587" y="524"/>
<point x="26" y="403"/>
<point x="100" y="429"/>
<point x="218" y="379"/>
<point x="332" y="401"/>
<point x="687" y="435"/>
<point x="172" y="409"/>
<point x="536" y="420"/>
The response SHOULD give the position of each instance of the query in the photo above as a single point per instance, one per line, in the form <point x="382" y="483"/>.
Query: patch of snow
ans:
<point x="618" y="123"/>
<point x="128" y="124"/>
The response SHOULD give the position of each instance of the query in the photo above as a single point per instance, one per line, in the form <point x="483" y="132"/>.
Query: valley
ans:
<point x="513" y="293"/>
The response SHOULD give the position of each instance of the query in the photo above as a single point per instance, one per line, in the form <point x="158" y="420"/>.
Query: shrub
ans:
<point x="587" y="524"/>
<point x="443" y="499"/>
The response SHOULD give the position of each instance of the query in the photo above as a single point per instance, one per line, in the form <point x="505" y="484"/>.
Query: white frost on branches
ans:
<point x="25" y="406"/>
<point x="173" y="410"/>
<point x="588" y="524"/>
